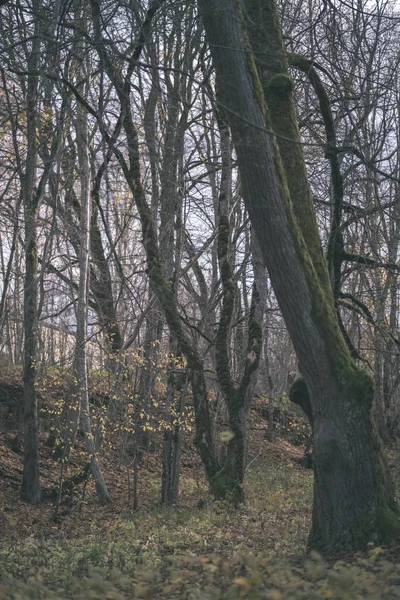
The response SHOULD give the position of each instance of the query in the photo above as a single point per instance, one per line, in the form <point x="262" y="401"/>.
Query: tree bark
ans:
<point x="82" y="311"/>
<point x="353" y="493"/>
<point x="228" y="482"/>
<point x="30" y="490"/>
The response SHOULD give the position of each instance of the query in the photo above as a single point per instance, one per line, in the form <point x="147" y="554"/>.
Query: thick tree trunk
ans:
<point x="353" y="496"/>
<point x="353" y="499"/>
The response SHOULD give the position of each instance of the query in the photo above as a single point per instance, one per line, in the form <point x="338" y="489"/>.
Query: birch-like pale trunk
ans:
<point x="82" y="310"/>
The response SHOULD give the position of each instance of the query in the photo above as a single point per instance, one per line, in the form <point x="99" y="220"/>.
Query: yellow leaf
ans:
<point x="226" y="436"/>
<point x="243" y="583"/>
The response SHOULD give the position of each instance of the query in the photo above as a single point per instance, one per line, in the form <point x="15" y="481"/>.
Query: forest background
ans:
<point x="184" y="190"/>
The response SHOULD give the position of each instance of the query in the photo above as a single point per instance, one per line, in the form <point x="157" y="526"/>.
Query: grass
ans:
<point x="213" y="553"/>
<point x="200" y="550"/>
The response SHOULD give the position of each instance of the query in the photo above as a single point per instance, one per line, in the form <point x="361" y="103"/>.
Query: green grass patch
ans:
<point x="216" y="552"/>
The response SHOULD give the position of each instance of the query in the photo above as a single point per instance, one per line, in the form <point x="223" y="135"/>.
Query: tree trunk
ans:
<point x="82" y="312"/>
<point x="30" y="490"/>
<point x="353" y="494"/>
<point x="228" y="482"/>
<point x="172" y="447"/>
<point x="177" y="441"/>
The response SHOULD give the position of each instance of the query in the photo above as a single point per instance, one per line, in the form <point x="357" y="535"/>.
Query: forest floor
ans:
<point x="198" y="550"/>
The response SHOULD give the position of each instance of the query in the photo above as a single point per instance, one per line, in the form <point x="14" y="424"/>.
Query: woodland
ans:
<point x="199" y="299"/>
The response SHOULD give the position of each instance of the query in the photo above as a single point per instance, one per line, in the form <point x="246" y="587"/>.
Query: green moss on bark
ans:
<point x="298" y="394"/>
<point x="226" y="485"/>
<point x="359" y="387"/>
<point x="280" y="84"/>
<point x="253" y="72"/>
<point x="298" y="391"/>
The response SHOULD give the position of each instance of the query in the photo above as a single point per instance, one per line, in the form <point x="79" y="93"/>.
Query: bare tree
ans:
<point x="30" y="490"/>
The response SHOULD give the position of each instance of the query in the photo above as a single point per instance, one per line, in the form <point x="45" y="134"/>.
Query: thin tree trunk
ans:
<point x="82" y="313"/>
<point x="228" y="482"/>
<point x="30" y="490"/>
<point x="177" y="442"/>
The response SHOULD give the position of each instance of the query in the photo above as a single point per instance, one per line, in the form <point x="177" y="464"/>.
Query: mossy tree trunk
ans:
<point x="353" y="495"/>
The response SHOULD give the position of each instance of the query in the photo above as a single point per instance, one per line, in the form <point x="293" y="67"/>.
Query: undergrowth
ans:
<point x="209" y="553"/>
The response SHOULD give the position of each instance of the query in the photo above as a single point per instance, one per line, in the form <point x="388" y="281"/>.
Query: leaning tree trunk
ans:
<point x="353" y="493"/>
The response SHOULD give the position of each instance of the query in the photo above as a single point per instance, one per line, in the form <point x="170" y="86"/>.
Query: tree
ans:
<point x="225" y="479"/>
<point x="353" y="494"/>
<point x="30" y="490"/>
<point x="148" y="141"/>
<point x="82" y="143"/>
